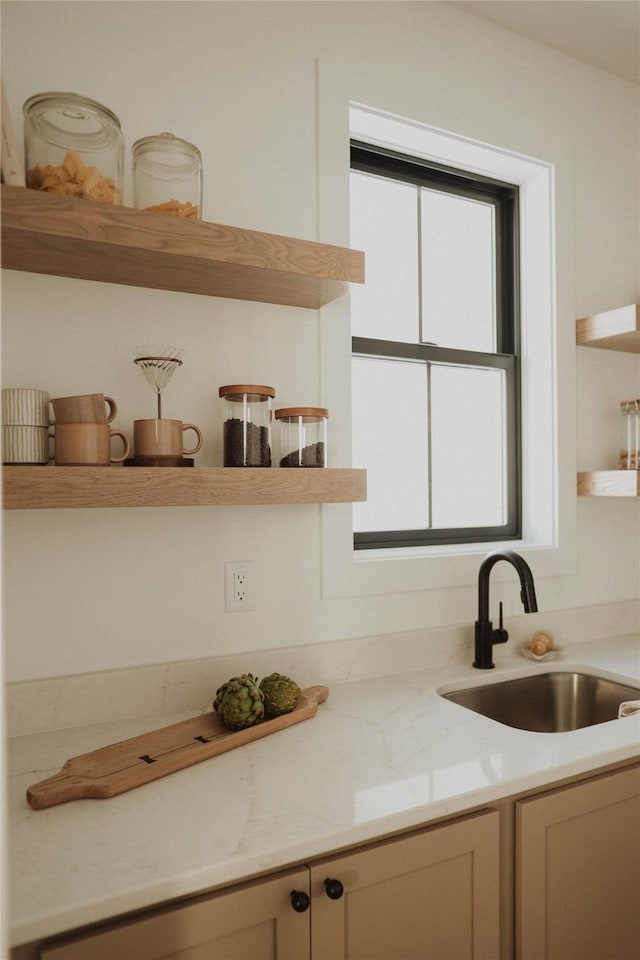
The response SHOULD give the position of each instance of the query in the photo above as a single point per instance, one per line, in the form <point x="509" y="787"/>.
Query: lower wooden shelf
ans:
<point x="49" y="487"/>
<point x="609" y="483"/>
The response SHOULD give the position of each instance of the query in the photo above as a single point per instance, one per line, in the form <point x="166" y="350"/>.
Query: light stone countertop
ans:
<point x="381" y="755"/>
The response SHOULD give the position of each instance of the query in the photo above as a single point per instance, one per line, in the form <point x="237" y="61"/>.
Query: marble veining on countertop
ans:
<point x="381" y="755"/>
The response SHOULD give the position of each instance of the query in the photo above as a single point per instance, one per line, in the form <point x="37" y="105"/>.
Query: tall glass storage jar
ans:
<point x="630" y="435"/>
<point x="247" y="424"/>
<point x="167" y="176"/>
<point x="73" y="147"/>
<point x="303" y="436"/>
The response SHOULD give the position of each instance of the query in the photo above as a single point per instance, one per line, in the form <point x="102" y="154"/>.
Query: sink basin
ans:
<point x="547" y="702"/>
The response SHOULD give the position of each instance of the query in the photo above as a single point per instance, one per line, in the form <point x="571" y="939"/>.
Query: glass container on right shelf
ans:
<point x="630" y="435"/>
<point x="303" y="436"/>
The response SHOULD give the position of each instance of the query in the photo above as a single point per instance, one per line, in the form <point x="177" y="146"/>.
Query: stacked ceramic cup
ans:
<point x="25" y="426"/>
<point x="83" y="431"/>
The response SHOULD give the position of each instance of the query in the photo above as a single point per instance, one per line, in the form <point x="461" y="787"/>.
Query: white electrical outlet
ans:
<point x="239" y="586"/>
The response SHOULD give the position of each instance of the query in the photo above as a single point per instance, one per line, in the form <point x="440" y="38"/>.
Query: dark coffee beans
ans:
<point x="246" y="445"/>
<point x="310" y="456"/>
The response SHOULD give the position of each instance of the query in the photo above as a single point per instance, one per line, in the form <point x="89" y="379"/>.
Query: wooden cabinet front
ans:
<point x="255" y="920"/>
<point x="433" y="895"/>
<point x="430" y="895"/>
<point x="578" y="871"/>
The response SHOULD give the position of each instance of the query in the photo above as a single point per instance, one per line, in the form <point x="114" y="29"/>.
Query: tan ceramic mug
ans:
<point x="87" y="408"/>
<point x="87" y="445"/>
<point x="163" y="438"/>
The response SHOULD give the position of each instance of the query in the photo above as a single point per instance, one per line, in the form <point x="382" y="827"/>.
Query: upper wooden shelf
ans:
<point x="66" y="237"/>
<point x="613" y="330"/>
<point x="39" y="488"/>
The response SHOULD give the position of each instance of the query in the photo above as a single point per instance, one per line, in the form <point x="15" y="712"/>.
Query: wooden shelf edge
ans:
<point x="49" y="487"/>
<point x="617" y="329"/>
<point x="609" y="483"/>
<point x="64" y="236"/>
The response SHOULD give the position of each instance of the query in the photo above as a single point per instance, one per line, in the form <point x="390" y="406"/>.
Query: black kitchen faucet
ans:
<point x="485" y="635"/>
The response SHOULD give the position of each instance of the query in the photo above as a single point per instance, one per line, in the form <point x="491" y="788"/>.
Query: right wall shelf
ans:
<point x="613" y="330"/>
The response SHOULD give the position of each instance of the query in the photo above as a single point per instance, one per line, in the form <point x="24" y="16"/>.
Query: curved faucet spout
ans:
<point x="527" y="587"/>
<point x="485" y="635"/>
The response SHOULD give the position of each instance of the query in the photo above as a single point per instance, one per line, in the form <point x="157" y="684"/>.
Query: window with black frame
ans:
<point x="435" y="369"/>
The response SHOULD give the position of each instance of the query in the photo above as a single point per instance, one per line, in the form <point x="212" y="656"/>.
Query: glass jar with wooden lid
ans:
<point x="303" y="436"/>
<point x="247" y="424"/>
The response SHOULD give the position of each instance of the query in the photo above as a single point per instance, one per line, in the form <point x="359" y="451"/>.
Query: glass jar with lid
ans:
<point x="73" y="147"/>
<point x="167" y="176"/>
<point x="630" y="435"/>
<point x="247" y="425"/>
<point x="303" y="436"/>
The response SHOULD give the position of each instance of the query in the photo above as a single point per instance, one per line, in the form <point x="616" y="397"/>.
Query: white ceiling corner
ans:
<point x="603" y="33"/>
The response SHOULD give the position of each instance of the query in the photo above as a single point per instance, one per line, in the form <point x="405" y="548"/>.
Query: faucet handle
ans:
<point x="500" y="635"/>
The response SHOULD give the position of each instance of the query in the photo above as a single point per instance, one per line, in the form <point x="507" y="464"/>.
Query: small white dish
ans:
<point x="553" y="654"/>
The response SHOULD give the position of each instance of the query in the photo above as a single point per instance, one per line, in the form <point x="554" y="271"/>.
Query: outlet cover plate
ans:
<point x="239" y="586"/>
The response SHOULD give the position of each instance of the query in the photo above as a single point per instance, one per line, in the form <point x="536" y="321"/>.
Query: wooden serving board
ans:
<point x="130" y="763"/>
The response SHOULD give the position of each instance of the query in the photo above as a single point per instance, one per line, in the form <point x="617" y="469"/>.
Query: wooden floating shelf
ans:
<point x="609" y="483"/>
<point x="613" y="330"/>
<point x="67" y="237"/>
<point x="48" y="487"/>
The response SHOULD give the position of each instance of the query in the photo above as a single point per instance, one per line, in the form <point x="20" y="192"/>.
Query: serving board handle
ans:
<point x="317" y="694"/>
<point x="59" y="788"/>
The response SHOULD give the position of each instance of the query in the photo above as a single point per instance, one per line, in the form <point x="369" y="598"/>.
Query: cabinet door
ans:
<point x="254" y="920"/>
<point x="432" y="895"/>
<point x="578" y="871"/>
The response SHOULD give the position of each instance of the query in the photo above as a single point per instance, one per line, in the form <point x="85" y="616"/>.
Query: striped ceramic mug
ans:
<point x="22" y="443"/>
<point x="25" y="407"/>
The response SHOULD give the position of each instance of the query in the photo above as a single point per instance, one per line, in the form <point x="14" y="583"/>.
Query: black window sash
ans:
<point x="390" y="164"/>
<point x="428" y="353"/>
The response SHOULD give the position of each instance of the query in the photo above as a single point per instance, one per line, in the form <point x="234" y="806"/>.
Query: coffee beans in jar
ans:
<point x="247" y="424"/>
<point x="303" y="436"/>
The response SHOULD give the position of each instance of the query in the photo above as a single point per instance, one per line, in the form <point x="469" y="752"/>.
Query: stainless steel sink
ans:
<point x="547" y="702"/>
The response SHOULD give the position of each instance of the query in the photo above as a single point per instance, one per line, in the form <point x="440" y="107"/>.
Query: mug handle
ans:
<point x="125" y="444"/>
<point x="113" y="409"/>
<point x="192" y="426"/>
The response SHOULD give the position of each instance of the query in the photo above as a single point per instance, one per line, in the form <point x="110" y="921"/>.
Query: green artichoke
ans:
<point x="280" y="694"/>
<point x="239" y="702"/>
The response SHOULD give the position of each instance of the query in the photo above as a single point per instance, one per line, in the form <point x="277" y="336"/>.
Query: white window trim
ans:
<point x="549" y="501"/>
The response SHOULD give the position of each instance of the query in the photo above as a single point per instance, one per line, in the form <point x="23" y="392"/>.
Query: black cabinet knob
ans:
<point x="299" y="901"/>
<point x="334" y="889"/>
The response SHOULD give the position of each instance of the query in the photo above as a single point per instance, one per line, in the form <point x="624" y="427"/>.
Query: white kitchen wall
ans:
<point x="87" y="590"/>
